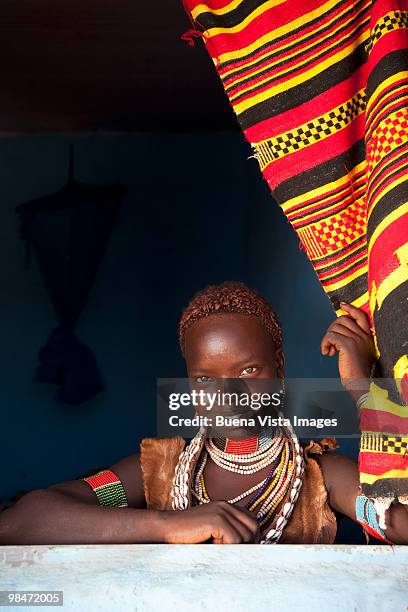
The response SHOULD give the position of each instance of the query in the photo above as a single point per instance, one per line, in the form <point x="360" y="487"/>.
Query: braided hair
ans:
<point x="230" y="297"/>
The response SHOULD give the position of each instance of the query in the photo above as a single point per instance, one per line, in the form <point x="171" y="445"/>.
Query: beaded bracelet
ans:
<point x="362" y="400"/>
<point x="108" y="489"/>
<point x="367" y="517"/>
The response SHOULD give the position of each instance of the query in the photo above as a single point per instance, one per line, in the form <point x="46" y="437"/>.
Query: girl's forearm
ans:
<point x="50" y="517"/>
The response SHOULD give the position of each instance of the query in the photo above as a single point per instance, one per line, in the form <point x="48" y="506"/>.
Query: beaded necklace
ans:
<point x="273" y="499"/>
<point x="237" y="463"/>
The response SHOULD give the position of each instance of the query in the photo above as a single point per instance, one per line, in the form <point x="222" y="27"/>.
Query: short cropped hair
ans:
<point x="230" y="297"/>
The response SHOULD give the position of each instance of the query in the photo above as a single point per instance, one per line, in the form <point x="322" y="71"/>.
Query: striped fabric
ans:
<point x="108" y="489"/>
<point x="320" y="90"/>
<point x="383" y="458"/>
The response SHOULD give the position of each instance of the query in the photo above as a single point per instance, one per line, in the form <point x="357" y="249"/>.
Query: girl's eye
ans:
<point x="203" y="379"/>
<point x="249" y="371"/>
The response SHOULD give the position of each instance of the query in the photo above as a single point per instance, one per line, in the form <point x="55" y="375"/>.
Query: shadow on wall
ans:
<point x="196" y="212"/>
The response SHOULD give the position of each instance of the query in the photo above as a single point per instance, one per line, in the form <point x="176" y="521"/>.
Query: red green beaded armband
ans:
<point x="108" y="489"/>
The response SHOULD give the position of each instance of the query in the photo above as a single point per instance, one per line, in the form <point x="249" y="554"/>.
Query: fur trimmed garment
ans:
<point x="312" y="521"/>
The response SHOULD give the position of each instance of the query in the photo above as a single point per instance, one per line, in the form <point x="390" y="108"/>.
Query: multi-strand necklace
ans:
<point x="238" y="463"/>
<point x="271" y="500"/>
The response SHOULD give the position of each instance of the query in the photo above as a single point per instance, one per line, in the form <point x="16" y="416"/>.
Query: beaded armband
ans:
<point x="108" y="489"/>
<point x="367" y="517"/>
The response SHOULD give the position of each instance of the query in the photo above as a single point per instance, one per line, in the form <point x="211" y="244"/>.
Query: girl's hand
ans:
<point x="350" y="335"/>
<point x="217" y="522"/>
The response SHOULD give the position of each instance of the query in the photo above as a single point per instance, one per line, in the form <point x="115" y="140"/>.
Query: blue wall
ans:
<point x="196" y="212"/>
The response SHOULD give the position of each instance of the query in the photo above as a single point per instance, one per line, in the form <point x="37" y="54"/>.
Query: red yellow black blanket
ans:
<point x="320" y="90"/>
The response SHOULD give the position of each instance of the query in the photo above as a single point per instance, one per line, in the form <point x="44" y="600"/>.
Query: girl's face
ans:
<point x="231" y="346"/>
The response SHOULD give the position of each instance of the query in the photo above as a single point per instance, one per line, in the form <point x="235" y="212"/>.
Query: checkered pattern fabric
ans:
<point x="384" y="443"/>
<point x="393" y="21"/>
<point x="308" y="133"/>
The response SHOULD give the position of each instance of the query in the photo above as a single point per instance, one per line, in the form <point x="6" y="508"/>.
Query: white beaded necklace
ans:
<point x="198" y="492"/>
<point x="182" y="482"/>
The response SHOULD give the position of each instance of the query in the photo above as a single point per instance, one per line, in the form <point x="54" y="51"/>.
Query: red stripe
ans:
<point x="309" y="241"/>
<point x="242" y="447"/>
<point x="379" y="420"/>
<point x="391" y="238"/>
<point x="395" y="159"/>
<point x="345" y="196"/>
<point x="366" y="308"/>
<point x="390" y="41"/>
<point x="373" y="533"/>
<point x="382" y="170"/>
<point x="380" y="112"/>
<point x="325" y="102"/>
<point x="212" y="4"/>
<point x="341" y="266"/>
<point x="283" y="78"/>
<point x="343" y="276"/>
<point x="320" y="41"/>
<point x="107" y="477"/>
<point x="322" y="214"/>
<point x="308" y="158"/>
<point x="290" y="64"/>
<point x="379" y="463"/>
<point x="270" y="20"/>
<point x="292" y="11"/>
<point x="404" y="388"/>
<point x="336" y="194"/>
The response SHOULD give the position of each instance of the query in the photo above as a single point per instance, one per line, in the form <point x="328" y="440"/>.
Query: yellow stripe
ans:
<point x="384" y="449"/>
<point x="326" y="207"/>
<point x="388" y="167"/>
<point x="241" y="26"/>
<point x="378" y="400"/>
<point x="396" y="278"/>
<point x="357" y="303"/>
<point x="204" y="8"/>
<point x="389" y="187"/>
<point x="281" y="31"/>
<point x="393" y="14"/>
<point x="313" y="44"/>
<point x="372" y="478"/>
<point x="347" y="280"/>
<point x="363" y="299"/>
<point x="323" y="189"/>
<point x="390" y="102"/>
<point x="274" y="144"/>
<point x="307" y="75"/>
<point x="389" y="407"/>
<point x="305" y="126"/>
<point x="376" y="95"/>
<point x="401" y="370"/>
<point x="286" y="85"/>
<point x="343" y="270"/>
<point x="301" y="60"/>
<point x="384" y="192"/>
<point x="373" y="302"/>
<point x="396" y="214"/>
<point x="276" y="33"/>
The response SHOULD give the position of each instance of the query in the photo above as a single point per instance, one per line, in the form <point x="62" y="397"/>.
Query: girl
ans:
<point x="266" y="489"/>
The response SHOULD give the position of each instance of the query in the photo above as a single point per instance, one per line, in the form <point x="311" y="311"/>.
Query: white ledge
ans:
<point x="204" y="577"/>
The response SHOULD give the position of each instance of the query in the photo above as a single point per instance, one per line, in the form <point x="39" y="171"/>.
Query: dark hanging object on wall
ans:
<point x="69" y="231"/>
